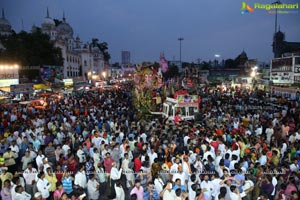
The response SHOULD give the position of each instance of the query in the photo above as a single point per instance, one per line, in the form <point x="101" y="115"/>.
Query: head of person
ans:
<point x="178" y="182"/>
<point x="7" y="183"/>
<point x="41" y="175"/>
<point x="178" y="192"/>
<point x="64" y="196"/>
<point x="137" y="183"/>
<point x="133" y="197"/>
<point x="107" y="155"/>
<point x="19" y="189"/>
<point x="38" y="196"/>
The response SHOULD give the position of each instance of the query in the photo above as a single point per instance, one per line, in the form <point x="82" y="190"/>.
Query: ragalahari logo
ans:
<point x="246" y="8"/>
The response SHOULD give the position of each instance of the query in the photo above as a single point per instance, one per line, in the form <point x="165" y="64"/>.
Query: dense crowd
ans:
<point x="93" y="146"/>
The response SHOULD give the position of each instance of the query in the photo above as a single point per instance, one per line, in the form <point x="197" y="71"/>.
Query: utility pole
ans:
<point x="180" y="39"/>
<point x="276" y="12"/>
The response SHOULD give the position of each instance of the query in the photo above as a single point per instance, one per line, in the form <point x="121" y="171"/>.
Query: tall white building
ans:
<point x="80" y="60"/>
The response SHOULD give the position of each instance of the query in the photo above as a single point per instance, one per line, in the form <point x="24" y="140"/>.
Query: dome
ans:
<point x="48" y="21"/>
<point x="4" y="23"/>
<point x="64" y="29"/>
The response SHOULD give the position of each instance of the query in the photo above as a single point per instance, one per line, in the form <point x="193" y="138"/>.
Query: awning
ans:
<point x="41" y="87"/>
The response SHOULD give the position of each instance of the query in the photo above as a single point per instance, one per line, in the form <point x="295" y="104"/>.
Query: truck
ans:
<point x="183" y="106"/>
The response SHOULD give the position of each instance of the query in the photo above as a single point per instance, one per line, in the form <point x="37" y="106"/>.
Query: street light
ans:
<point x="180" y="39"/>
<point x="216" y="59"/>
<point x="104" y="74"/>
<point x="254" y="71"/>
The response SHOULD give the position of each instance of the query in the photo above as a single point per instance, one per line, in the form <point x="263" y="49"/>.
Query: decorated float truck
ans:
<point x="183" y="107"/>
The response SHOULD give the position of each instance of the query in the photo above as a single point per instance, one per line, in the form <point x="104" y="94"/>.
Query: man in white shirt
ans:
<point x="130" y="178"/>
<point x="234" y="193"/>
<point x="174" y="167"/>
<point x="21" y="194"/>
<point x="167" y="192"/>
<point x="152" y="155"/>
<point x="14" y="148"/>
<point x="81" y="155"/>
<point x="206" y="183"/>
<point x="93" y="188"/>
<point x="39" y="159"/>
<point x="96" y="157"/>
<point x="125" y="162"/>
<point x="66" y="148"/>
<point x="263" y="159"/>
<point x="115" y="175"/>
<point x="80" y="178"/>
<point x="43" y="185"/>
<point x="30" y="175"/>
<point x="269" y="133"/>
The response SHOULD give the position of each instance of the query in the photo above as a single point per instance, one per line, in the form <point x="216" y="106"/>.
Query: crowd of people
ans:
<point x="93" y="146"/>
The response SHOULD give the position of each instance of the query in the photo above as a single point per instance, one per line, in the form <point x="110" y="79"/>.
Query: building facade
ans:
<point x="80" y="60"/>
<point x="125" y="58"/>
<point x="285" y="70"/>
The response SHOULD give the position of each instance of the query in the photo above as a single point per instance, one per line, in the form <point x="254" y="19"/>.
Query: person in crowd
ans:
<point x="6" y="191"/>
<point x="93" y="188"/>
<point x="21" y="194"/>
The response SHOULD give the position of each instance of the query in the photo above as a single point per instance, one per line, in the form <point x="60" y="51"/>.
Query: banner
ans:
<point x="50" y="73"/>
<point x="188" y="100"/>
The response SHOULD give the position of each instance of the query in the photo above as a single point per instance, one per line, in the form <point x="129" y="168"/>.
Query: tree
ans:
<point x="103" y="47"/>
<point x="57" y="22"/>
<point x="172" y="72"/>
<point x="30" y="49"/>
<point x="205" y="65"/>
<point x="230" y="63"/>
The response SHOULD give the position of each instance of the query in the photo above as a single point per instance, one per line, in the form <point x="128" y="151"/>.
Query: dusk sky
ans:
<point x="148" y="27"/>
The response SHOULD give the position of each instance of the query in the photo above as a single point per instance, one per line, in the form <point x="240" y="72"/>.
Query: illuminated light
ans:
<point x="11" y="67"/>
<point x="16" y="66"/>
<point x="253" y="74"/>
<point x="104" y="74"/>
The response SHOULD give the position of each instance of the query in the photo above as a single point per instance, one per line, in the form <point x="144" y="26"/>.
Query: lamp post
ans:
<point x="217" y="56"/>
<point x="180" y="40"/>
<point x="276" y="11"/>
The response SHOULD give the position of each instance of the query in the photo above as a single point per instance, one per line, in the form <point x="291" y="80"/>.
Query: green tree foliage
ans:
<point x="103" y="47"/>
<point x="30" y="49"/>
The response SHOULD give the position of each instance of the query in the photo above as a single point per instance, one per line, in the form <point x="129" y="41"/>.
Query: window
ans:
<point x="191" y="111"/>
<point x="68" y="73"/>
<point x="297" y="60"/>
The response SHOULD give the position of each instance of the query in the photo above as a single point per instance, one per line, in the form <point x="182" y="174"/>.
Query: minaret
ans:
<point x="48" y="16"/>
<point x="64" y="18"/>
<point x="3" y="15"/>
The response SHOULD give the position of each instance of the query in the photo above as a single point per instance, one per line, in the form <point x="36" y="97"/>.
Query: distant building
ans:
<point x="176" y="63"/>
<point x="280" y="46"/>
<point x="5" y="26"/>
<point x="285" y="70"/>
<point x="125" y="58"/>
<point x="80" y="60"/>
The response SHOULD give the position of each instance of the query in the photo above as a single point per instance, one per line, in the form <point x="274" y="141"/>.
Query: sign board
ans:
<point x="282" y="77"/>
<point x="25" y="88"/>
<point x="50" y="73"/>
<point x="68" y="82"/>
<point x="8" y="82"/>
<point x="9" y="72"/>
<point x="188" y="100"/>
